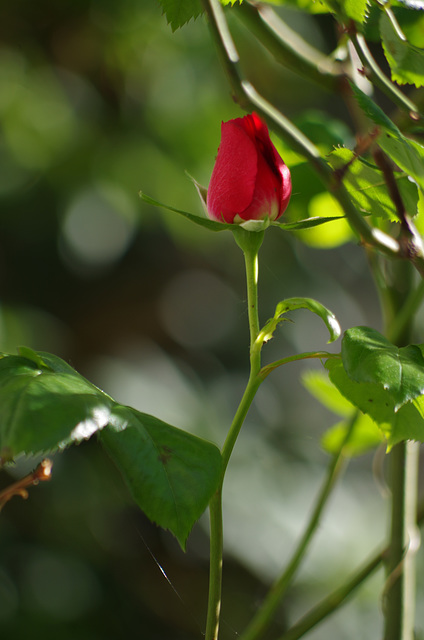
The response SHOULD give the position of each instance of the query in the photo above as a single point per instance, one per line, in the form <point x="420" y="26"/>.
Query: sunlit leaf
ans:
<point x="46" y="405"/>
<point x="291" y="304"/>
<point x="406" y="153"/>
<point x="318" y="384"/>
<point x="369" y="357"/>
<point x="356" y="9"/>
<point x="171" y="474"/>
<point x="368" y="189"/>
<point x="406" y="61"/>
<point x="371" y="398"/>
<point x="364" y="436"/>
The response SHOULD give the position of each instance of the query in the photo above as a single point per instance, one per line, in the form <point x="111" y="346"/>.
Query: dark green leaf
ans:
<point x="406" y="61"/>
<point x="371" y="398"/>
<point x="368" y="189"/>
<point x="369" y="357"/>
<point x="171" y="474"/>
<point x="46" y="405"/>
<point x="179" y="12"/>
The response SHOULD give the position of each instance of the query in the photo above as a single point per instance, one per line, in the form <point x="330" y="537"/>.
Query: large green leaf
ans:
<point x="367" y="187"/>
<point x="406" y="153"/>
<point x="383" y="381"/>
<point x="46" y="405"/>
<point x="179" y="12"/>
<point x="171" y="474"/>
<point x="374" y="400"/>
<point x="369" y="357"/>
<point x="406" y="61"/>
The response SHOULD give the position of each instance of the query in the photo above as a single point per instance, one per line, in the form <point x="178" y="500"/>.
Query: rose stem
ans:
<point x="250" y="243"/>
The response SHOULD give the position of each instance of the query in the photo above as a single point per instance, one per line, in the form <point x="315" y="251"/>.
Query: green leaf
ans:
<point x="373" y="111"/>
<point x="290" y="304"/>
<point x="319" y="386"/>
<point x="306" y="223"/>
<point x="406" y="61"/>
<point x="372" y="399"/>
<point x="356" y="9"/>
<point x="364" y="437"/>
<point x="179" y="12"/>
<point x="45" y="405"/>
<point x="213" y="225"/>
<point x="171" y="474"/>
<point x="369" y="357"/>
<point x="365" y="434"/>
<point x="367" y="187"/>
<point x="406" y="153"/>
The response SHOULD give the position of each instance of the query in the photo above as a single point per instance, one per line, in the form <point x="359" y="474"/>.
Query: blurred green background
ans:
<point x="99" y="99"/>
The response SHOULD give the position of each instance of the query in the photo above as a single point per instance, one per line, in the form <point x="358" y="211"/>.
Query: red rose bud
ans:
<point x="250" y="180"/>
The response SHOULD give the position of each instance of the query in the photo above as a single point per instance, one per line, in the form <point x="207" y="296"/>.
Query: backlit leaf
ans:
<point x="406" y="61"/>
<point x="367" y="187"/>
<point x="364" y="437"/>
<point x="406" y="153"/>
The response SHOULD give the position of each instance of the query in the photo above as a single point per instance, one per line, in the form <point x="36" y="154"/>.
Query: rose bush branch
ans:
<point x="264" y="616"/>
<point x="375" y="75"/>
<point x="247" y="97"/>
<point x="341" y="595"/>
<point x="287" y="47"/>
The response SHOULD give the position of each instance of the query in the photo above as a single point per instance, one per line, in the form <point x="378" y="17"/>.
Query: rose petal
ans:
<point x="233" y="178"/>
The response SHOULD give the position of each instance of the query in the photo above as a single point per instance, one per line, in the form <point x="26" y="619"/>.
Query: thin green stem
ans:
<point x="287" y="47"/>
<point x="399" y="592"/>
<point x="334" y="600"/>
<point x="250" y="243"/>
<point x="215" y="570"/>
<point x="308" y="355"/>
<point x="261" y="621"/>
<point x="406" y="313"/>
<point x="377" y="77"/>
